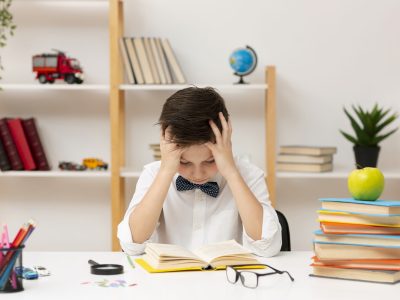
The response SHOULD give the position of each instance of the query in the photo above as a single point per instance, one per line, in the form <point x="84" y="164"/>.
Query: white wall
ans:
<point x="327" y="53"/>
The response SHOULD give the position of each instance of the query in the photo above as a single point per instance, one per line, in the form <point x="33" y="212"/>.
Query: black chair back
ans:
<point x="285" y="232"/>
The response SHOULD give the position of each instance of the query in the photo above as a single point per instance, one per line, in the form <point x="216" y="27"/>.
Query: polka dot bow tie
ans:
<point x="210" y="188"/>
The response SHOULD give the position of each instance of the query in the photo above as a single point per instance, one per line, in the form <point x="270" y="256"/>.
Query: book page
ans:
<point x="226" y="248"/>
<point x="168" y="250"/>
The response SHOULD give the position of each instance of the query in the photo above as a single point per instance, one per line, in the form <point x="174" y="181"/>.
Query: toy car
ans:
<point x="26" y="273"/>
<point x="95" y="164"/>
<point x="70" y="166"/>
<point x="42" y="271"/>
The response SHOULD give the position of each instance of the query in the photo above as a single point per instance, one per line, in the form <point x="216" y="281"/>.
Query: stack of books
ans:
<point x="150" y="61"/>
<point x="358" y="240"/>
<point x="156" y="151"/>
<point x="20" y="146"/>
<point x="305" y="159"/>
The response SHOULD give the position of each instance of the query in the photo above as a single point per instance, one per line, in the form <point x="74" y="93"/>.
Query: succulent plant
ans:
<point x="369" y="125"/>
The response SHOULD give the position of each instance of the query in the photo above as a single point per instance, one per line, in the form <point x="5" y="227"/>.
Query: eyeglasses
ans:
<point x="249" y="279"/>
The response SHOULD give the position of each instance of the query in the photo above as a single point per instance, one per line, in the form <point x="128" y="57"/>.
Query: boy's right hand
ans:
<point x="170" y="153"/>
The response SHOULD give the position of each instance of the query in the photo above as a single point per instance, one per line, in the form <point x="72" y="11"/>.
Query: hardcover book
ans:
<point x="307" y="150"/>
<point x="9" y="146"/>
<point x="21" y="143"/>
<point x="35" y="144"/>
<point x="382" y="276"/>
<point x="343" y="228"/>
<point x="383" y="207"/>
<point x="358" y="218"/>
<point x="4" y="162"/>
<point x="172" y="258"/>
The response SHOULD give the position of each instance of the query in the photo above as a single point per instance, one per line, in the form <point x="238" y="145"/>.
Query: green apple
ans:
<point x="366" y="184"/>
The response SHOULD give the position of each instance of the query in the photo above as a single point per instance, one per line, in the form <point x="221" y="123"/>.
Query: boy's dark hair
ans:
<point x="187" y="114"/>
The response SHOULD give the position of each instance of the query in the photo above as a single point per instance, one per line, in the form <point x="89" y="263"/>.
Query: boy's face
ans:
<point x="197" y="164"/>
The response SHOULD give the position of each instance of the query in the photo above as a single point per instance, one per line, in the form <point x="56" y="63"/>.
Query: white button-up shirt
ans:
<point x="193" y="219"/>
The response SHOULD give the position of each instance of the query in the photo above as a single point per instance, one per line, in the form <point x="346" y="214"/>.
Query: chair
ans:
<point x="285" y="231"/>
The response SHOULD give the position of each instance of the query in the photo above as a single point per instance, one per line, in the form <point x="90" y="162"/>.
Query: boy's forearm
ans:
<point x="143" y="220"/>
<point x="250" y="209"/>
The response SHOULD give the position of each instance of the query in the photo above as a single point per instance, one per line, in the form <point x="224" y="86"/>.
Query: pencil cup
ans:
<point x="11" y="270"/>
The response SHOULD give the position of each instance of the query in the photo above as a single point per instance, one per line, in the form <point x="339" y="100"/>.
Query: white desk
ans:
<point x="70" y="269"/>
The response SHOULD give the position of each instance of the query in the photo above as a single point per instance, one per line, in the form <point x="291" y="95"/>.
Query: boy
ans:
<point x="199" y="193"/>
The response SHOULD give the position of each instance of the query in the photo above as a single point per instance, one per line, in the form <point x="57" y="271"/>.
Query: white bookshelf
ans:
<point x="173" y="87"/>
<point x="53" y="87"/>
<point x="57" y="174"/>
<point x="336" y="174"/>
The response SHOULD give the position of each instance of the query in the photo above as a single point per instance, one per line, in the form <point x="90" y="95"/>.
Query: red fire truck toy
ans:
<point x="49" y="67"/>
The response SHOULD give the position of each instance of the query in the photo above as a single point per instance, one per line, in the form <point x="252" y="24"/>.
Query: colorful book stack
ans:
<point x="358" y="240"/>
<point x="305" y="158"/>
<point x="20" y="146"/>
<point x="156" y="151"/>
<point x="150" y="61"/>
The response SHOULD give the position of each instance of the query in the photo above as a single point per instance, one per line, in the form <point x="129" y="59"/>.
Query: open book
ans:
<point x="171" y="258"/>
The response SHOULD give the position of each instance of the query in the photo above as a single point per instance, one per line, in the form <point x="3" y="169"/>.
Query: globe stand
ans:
<point x="241" y="81"/>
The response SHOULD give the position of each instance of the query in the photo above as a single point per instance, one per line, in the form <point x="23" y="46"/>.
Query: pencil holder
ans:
<point x="11" y="270"/>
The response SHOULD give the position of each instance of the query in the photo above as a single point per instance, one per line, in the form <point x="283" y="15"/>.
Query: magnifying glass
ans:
<point x="105" y="269"/>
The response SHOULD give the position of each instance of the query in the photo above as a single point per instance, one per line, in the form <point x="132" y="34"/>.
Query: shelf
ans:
<point x="338" y="174"/>
<point x="65" y="2"/>
<point x="54" y="87"/>
<point x="174" y="87"/>
<point x="56" y="174"/>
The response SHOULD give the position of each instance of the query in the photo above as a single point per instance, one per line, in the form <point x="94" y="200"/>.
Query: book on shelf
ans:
<point x="126" y="61"/>
<point x="173" y="258"/>
<point x="163" y="59"/>
<point x="151" y="58"/>
<point x="358" y="218"/>
<point x="143" y="60"/>
<point x="334" y="251"/>
<point x="343" y="228"/>
<point x="372" y="240"/>
<point x="370" y="264"/>
<point x="157" y="60"/>
<point x="21" y="143"/>
<point x="4" y="162"/>
<point x="9" y="146"/>
<point x="176" y="70"/>
<point x="314" y="168"/>
<point x="307" y="150"/>
<point x="134" y="60"/>
<point x="35" y="144"/>
<point x="305" y="159"/>
<point x="385" y="207"/>
<point x="382" y="276"/>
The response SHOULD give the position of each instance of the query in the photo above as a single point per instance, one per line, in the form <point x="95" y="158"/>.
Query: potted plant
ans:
<point x="7" y="25"/>
<point x="368" y="133"/>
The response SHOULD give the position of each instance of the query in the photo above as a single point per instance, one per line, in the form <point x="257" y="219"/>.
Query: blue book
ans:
<point x="350" y="205"/>
<point x="367" y="240"/>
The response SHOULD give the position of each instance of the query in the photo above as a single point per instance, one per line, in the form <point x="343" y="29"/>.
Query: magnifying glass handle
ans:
<point x="92" y="262"/>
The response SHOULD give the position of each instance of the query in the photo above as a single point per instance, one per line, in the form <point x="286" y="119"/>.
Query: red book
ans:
<point x="9" y="146"/>
<point x="35" y="144"/>
<point x="21" y="143"/>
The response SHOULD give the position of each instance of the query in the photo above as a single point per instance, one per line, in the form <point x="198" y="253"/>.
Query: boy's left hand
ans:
<point x="222" y="149"/>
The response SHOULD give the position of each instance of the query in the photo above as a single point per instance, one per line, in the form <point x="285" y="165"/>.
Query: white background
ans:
<point x="328" y="54"/>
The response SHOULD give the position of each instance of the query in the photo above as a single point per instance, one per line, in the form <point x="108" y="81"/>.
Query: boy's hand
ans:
<point x="170" y="153"/>
<point x="222" y="149"/>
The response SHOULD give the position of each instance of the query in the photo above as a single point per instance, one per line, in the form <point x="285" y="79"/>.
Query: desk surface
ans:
<point x="71" y="279"/>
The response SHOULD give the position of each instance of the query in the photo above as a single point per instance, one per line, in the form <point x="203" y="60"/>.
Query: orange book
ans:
<point x="346" y="228"/>
<point x="369" y="264"/>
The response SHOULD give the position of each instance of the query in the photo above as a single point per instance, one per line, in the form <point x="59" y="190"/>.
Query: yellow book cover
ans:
<point x="161" y="258"/>
<point x="357" y="218"/>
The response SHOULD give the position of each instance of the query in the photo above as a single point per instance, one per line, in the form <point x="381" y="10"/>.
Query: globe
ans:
<point x="243" y="61"/>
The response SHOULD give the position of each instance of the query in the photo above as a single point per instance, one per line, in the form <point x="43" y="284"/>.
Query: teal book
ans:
<point x="377" y="207"/>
